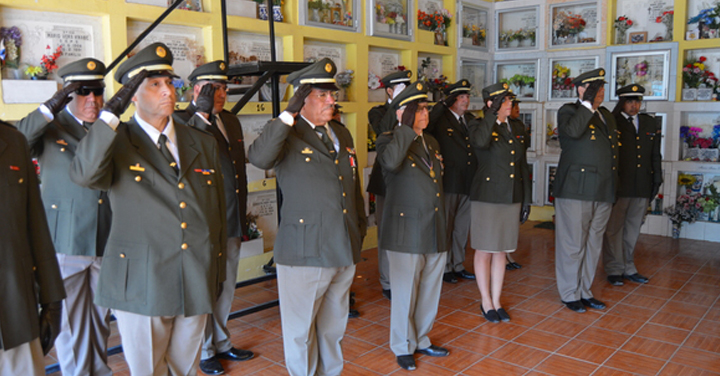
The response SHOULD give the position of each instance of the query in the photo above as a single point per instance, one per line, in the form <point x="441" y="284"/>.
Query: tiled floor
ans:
<point x="670" y="326"/>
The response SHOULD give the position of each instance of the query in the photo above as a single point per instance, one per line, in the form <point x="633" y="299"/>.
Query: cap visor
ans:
<point x="326" y="86"/>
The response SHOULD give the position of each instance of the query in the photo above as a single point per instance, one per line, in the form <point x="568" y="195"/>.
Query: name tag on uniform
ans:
<point x="137" y="168"/>
<point x="306" y="151"/>
<point x="205" y="171"/>
<point x="61" y="142"/>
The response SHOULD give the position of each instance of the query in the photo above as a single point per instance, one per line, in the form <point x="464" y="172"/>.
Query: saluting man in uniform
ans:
<point x="449" y="125"/>
<point x="164" y="262"/>
<point x="79" y="217"/>
<point x="383" y="119"/>
<point x="414" y="226"/>
<point x="640" y="177"/>
<point x="322" y="223"/>
<point x="29" y="273"/>
<point x="584" y="189"/>
<point x="206" y="112"/>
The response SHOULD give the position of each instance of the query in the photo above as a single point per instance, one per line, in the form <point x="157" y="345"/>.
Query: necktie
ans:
<point x="632" y="121"/>
<point x="462" y="122"/>
<point x="166" y="152"/>
<point x="507" y="126"/>
<point x="86" y="125"/>
<point x="325" y="139"/>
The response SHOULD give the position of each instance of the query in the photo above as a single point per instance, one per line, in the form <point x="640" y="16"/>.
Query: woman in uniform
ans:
<point x="413" y="226"/>
<point x="500" y="195"/>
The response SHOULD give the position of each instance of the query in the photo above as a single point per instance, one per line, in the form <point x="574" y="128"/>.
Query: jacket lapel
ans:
<point x="187" y="150"/>
<point x="3" y="144"/>
<point x="70" y="125"/>
<point x="308" y="134"/>
<point x="148" y="150"/>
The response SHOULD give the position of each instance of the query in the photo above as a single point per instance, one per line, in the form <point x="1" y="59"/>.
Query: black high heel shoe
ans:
<point x="490" y="315"/>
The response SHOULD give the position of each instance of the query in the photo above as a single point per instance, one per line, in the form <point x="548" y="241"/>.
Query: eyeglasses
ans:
<point x="84" y="91"/>
<point x="323" y="95"/>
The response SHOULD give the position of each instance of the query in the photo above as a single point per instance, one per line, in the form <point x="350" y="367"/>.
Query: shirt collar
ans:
<point x="154" y="134"/>
<point x="457" y="117"/>
<point x="311" y="123"/>
<point x="73" y="115"/>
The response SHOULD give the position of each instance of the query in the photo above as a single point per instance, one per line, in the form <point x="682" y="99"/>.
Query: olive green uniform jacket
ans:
<point x="166" y="252"/>
<point x="323" y="213"/>
<point x="503" y="175"/>
<point x="458" y="155"/>
<point x="29" y="273"/>
<point x="414" y="215"/>
<point x="587" y="170"/>
<point x="382" y="119"/>
<point x="640" y="163"/>
<point x="79" y="217"/>
<point x="232" y="159"/>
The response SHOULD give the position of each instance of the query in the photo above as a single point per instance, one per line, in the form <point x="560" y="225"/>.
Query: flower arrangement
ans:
<point x="686" y="180"/>
<point x="709" y="17"/>
<point x="687" y="208"/>
<point x="344" y="78"/>
<point x="561" y="79"/>
<point x="49" y="61"/>
<point x="390" y="13"/>
<point x="11" y="39"/>
<point x="253" y="231"/>
<point x="476" y="33"/>
<point x="180" y="87"/>
<point x="437" y="21"/>
<point x="695" y="74"/>
<point x="667" y="19"/>
<point x="566" y="23"/>
<point x="622" y="24"/>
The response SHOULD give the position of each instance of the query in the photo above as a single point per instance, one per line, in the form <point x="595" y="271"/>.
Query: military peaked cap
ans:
<point x="633" y="90"/>
<point x="156" y="58"/>
<point x="214" y="71"/>
<point x="588" y="77"/>
<point x="320" y="75"/>
<point x="416" y="91"/>
<point x="395" y="78"/>
<point x="460" y="87"/>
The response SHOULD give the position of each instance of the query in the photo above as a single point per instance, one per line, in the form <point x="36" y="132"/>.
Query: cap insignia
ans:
<point x="505" y="86"/>
<point x="634" y="88"/>
<point x="222" y="66"/>
<point x="464" y="83"/>
<point x="328" y="68"/>
<point x="602" y="72"/>
<point x="160" y="51"/>
<point x="419" y="86"/>
<point x="91" y="65"/>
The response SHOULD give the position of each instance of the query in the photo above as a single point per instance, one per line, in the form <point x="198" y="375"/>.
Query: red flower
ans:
<point x="621" y="19"/>
<point x="629" y="22"/>
<point x="658" y="20"/>
<point x="702" y="59"/>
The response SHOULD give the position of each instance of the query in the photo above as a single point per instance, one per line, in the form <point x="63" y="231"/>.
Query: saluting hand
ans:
<point x="497" y="103"/>
<point x="62" y="97"/>
<point x="121" y="100"/>
<point x="298" y="99"/>
<point x="206" y="99"/>
<point x="591" y="91"/>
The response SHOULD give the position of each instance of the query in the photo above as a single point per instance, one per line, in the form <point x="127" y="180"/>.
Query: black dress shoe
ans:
<point x="406" y="362"/>
<point x="434" y="351"/>
<point x="211" y="367"/>
<point x="353" y="314"/>
<point x="490" y="315"/>
<point x="637" y="278"/>
<point x="593" y="303"/>
<point x="515" y="265"/>
<point x="449" y="277"/>
<point x="615" y="280"/>
<point x="465" y="275"/>
<point x="575" y="306"/>
<point x="503" y="315"/>
<point x="387" y="293"/>
<point x="234" y="354"/>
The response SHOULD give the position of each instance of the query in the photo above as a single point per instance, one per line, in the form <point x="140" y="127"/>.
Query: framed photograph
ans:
<point x="516" y="29"/>
<point x="528" y="118"/>
<point x="574" y="23"/>
<point x="638" y="37"/>
<point x="521" y="76"/>
<point x="474" y="71"/>
<point x="651" y="69"/>
<point x="473" y="33"/>
<point x="550" y="171"/>
<point x="340" y="15"/>
<point x="391" y="19"/>
<point x="563" y="71"/>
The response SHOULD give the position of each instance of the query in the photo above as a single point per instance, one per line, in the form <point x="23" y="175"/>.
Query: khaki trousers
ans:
<point x="217" y="335"/>
<point x="579" y="229"/>
<point x="623" y="231"/>
<point x="161" y="345"/>
<point x="314" y="304"/>
<point x="82" y="342"/>
<point x="416" y="281"/>
<point x="383" y="266"/>
<point x="457" y="213"/>
<point x="26" y="359"/>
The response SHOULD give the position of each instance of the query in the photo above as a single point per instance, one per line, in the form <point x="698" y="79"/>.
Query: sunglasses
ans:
<point x="84" y="91"/>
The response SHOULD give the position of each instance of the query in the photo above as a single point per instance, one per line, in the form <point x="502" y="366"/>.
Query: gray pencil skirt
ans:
<point x="494" y="227"/>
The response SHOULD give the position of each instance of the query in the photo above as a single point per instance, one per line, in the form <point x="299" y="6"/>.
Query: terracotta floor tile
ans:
<point x="541" y="340"/>
<point x="356" y="324"/>
<point x="685" y="309"/>
<point x="520" y="355"/>
<point x="586" y="318"/>
<point x="617" y="323"/>
<point x="478" y="343"/>
<point x="703" y="342"/>
<point x="675" y="321"/>
<point x="376" y="334"/>
<point x="586" y="351"/>
<point x="524" y="318"/>
<point x="697" y="358"/>
<point x="643" y="301"/>
<point x="709" y="327"/>
<point x="663" y="333"/>
<point x="541" y="306"/>
<point x="354" y="348"/>
<point x="522" y="289"/>
<point x="635" y="363"/>
<point x="456" y="301"/>
<point x="654" y="291"/>
<point x="374" y="312"/>
<point x="713" y="313"/>
<point x="246" y="367"/>
<point x="351" y="369"/>
<point x="603" y="337"/>
<point x="457" y="361"/>
<point x="607" y="371"/>
<point x="494" y="367"/>
<point x="464" y="320"/>
<point x="675" y="369"/>
<point x="503" y="330"/>
<point x="561" y="366"/>
<point x="631" y="312"/>
<point x="560" y="327"/>
<point x="650" y="347"/>
<point x="442" y="334"/>
<point x="272" y="350"/>
<point x="380" y="360"/>
<point x="694" y="298"/>
<point x="273" y="370"/>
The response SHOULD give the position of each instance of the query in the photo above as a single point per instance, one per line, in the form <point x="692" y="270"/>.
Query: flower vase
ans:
<point x="277" y="13"/>
<point x="38" y="77"/>
<point x="526" y="43"/>
<point x="315" y="16"/>
<point x="262" y="12"/>
<point x="514" y="43"/>
<point x="676" y="231"/>
<point x="620" y="35"/>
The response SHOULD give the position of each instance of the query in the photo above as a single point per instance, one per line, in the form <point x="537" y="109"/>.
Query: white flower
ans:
<point x="373" y="81"/>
